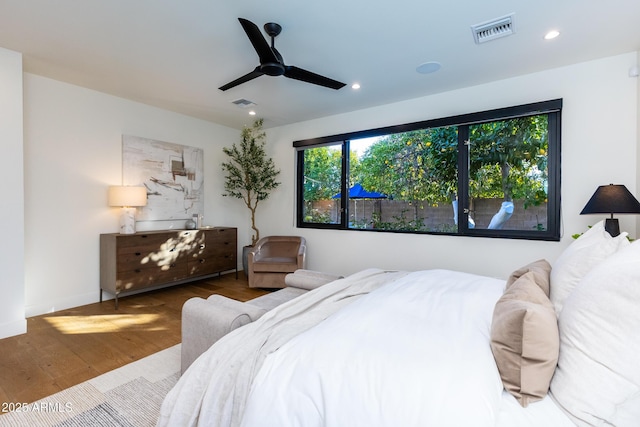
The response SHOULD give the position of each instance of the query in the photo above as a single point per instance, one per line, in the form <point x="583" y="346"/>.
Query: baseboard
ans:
<point x="61" y="304"/>
<point x="92" y="297"/>
<point x="10" y="329"/>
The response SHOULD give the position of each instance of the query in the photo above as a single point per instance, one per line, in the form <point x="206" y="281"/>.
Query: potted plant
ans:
<point x="250" y="175"/>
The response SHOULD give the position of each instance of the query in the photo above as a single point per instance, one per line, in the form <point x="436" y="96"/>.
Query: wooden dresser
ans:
<point x="130" y="262"/>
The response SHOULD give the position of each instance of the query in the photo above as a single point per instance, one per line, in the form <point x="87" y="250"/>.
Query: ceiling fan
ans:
<point x="271" y="62"/>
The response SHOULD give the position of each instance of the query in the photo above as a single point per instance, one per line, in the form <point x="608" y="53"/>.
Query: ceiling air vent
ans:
<point x="243" y="103"/>
<point x="494" y="29"/>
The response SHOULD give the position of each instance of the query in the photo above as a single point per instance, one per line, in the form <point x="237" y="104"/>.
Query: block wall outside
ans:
<point x="434" y="218"/>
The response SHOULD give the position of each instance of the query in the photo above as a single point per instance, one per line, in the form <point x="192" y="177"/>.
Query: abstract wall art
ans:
<point x="172" y="174"/>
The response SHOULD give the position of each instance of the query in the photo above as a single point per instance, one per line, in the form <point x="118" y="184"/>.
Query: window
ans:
<point x="321" y="184"/>
<point x="494" y="174"/>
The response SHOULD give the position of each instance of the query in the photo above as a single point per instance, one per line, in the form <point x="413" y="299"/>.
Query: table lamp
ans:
<point x="612" y="199"/>
<point x="128" y="198"/>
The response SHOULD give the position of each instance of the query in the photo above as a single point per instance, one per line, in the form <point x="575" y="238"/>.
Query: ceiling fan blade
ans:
<point x="309" y="77"/>
<point x="249" y="76"/>
<point x="258" y="41"/>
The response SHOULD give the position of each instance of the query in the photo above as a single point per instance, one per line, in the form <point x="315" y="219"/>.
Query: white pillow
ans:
<point x="579" y="258"/>
<point x="597" y="380"/>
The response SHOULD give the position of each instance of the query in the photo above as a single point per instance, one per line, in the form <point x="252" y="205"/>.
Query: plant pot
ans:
<point x="245" y="259"/>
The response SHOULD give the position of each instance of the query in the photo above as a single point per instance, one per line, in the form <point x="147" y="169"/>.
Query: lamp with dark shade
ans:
<point x="610" y="199"/>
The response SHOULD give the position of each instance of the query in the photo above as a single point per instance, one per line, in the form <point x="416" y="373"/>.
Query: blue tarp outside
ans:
<point x="357" y="192"/>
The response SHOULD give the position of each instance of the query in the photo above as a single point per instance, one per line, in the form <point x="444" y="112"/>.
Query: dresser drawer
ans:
<point x="215" y="251"/>
<point x="145" y="277"/>
<point x="146" y="259"/>
<point x="146" y="242"/>
<point x="205" y="265"/>
<point x="213" y="241"/>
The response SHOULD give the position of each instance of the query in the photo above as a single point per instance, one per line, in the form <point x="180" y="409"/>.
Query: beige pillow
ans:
<point x="541" y="270"/>
<point x="524" y="339"/>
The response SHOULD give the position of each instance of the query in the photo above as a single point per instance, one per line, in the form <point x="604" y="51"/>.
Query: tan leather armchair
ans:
<point x="273" y="258"/>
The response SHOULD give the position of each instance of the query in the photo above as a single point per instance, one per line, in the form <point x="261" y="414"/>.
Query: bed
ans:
<point x="546" y="347"/>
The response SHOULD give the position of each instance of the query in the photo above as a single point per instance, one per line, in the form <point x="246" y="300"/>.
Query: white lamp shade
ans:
<point x="127" y="196"/>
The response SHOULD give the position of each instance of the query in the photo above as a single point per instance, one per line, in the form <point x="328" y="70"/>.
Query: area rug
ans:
<point x="129" y="396"/>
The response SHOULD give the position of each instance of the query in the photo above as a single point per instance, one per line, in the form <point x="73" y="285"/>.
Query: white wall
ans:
<point x="599" y="146"/>
<point x="12" y="302"/>
<point x="73" y="152"/>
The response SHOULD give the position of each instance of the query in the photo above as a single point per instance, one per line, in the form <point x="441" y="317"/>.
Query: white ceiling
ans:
<point x="174" y="54"/>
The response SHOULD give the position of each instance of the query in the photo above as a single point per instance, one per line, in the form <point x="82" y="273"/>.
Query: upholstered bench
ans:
<point x="205" y="321"/>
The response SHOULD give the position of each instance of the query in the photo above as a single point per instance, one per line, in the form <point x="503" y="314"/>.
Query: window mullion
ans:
<point x="300" y="188"/>
<point x="553" y="208"/>
<point x="463" y="179"/>
<point x="344" y="199"/>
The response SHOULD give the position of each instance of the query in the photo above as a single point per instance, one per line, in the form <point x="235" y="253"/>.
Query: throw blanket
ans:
<point x="214" y="390"/>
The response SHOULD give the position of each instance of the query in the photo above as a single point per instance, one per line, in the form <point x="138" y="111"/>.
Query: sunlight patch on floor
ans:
<point x="105" y="323"/>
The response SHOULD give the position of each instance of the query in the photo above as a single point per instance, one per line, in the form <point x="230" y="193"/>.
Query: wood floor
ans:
<point x="68" y="347"/>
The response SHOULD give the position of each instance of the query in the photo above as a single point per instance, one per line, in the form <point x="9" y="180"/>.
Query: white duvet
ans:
<point x="412" y="353"/>
<point x="412" y="349"/>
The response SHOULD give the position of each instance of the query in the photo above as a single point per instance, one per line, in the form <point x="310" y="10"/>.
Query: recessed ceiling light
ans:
<point x="252" y="113"/>
<point x="551" y="35"/>
<point x="355" y="86"/>
<point x="428" y="67"/>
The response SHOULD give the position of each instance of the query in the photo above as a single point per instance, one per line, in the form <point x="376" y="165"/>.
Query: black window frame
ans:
<point x="552" y="108"/>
